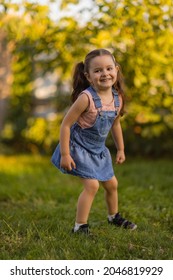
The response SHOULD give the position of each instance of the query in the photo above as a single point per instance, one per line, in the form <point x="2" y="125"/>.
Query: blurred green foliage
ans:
<point x="139" y="33"/>
<point x="42" y="133"/>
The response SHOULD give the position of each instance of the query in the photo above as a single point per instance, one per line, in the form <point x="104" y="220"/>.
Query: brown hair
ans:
<point x="80" y="81"/>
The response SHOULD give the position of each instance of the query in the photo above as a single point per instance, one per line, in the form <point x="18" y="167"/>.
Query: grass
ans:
<point x="37" y="211"/>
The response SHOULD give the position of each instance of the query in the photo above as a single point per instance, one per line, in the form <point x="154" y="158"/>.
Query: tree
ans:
<point x="139" y="33"/>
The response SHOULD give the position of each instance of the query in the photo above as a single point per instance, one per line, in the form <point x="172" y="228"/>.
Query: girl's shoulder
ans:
<point x="88" y="95"/>
<point x="87" y="92"/>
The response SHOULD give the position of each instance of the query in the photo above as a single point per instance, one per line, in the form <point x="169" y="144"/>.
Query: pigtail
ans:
<point x="80" y="82"/>
<point x="119" y="86"/>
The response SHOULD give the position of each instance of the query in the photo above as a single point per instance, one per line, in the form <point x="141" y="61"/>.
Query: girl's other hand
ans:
<point x="120" y="157"/>
<point x="67" y="162"/>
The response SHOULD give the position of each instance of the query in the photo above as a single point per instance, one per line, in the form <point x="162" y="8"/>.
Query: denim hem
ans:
<point x="78" y="174"/>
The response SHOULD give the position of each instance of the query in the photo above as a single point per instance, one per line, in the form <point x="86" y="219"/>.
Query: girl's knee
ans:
<point x="115" y="183"/>
<point x="91" y="187"/>
<point x="111" y="185"/>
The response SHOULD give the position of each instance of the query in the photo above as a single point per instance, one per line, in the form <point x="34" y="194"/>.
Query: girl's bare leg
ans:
<point x="111" y="195"/>
<point x="85" y="200"/>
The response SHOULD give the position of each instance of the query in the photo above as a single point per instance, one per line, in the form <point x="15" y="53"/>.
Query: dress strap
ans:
<point x="116" y="98"/>
<point x="96" y="98"/>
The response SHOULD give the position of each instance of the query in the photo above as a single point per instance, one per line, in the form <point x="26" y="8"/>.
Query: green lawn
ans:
<point x="37" y="211"/>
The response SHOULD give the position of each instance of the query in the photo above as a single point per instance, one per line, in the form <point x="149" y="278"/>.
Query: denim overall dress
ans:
<point x="87" y="145"/>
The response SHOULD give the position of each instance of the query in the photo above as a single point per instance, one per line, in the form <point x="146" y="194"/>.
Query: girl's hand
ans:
<point x="120" y="157"/>
<point x="67" y="162"/>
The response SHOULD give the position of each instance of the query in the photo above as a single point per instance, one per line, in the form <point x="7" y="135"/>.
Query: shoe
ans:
<point x="121" y="222"/>
<point x="82" y="229"/>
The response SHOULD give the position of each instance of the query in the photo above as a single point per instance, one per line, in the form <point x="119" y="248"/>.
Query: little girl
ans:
<point x="98" y="102"/>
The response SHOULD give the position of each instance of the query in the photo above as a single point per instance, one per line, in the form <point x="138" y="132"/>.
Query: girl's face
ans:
<point x="102" y="72"/>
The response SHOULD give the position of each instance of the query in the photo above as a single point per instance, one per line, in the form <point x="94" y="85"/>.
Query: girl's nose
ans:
<point x="104" y="73"/>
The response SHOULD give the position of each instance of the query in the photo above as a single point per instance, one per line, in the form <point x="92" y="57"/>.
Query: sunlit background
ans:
<point x="40" y="42"/>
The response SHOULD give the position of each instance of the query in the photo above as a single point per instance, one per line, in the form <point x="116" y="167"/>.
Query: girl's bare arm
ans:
<point x="71" y="117"/>
<point x="118" y="139"/>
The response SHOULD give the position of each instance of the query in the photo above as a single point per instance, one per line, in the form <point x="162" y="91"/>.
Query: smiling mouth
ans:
<point x="105" y="80"/>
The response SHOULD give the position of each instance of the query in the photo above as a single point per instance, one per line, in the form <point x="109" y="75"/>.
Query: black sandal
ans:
<point x="121" y="222"/>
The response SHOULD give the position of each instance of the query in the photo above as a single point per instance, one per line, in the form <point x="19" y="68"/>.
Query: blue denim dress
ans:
<point x="87" y="145"/>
